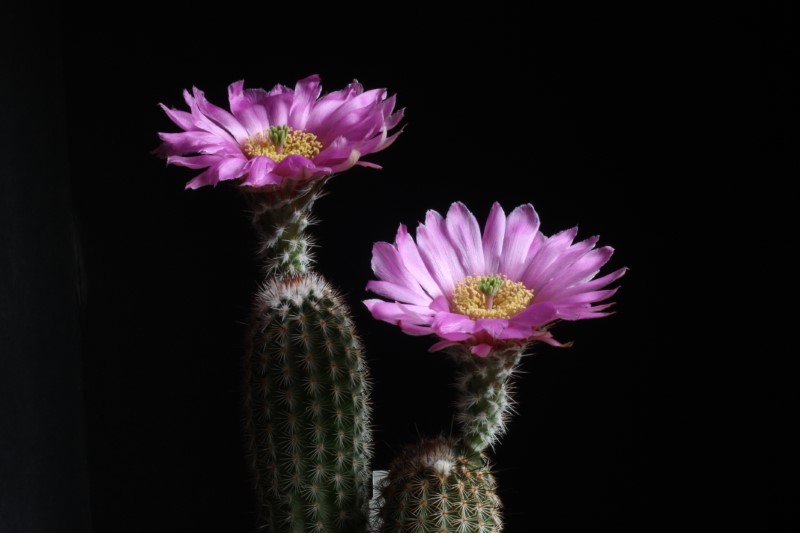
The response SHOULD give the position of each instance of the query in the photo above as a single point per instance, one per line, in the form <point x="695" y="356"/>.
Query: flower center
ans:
<point x="282" y="141"/>
<point x="492" y="296"/>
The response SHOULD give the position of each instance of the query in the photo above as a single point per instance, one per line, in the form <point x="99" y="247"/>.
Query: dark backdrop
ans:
<point x="561" y="109"/>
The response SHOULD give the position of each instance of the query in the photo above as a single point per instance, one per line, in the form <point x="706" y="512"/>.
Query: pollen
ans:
<point x="492" y="296"/>
<point x="280" y="142"/>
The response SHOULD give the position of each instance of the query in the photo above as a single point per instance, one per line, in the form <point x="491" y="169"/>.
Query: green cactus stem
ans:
<point x="306" y="386"/>
<point x="484" y="398"/>
<point x="435" y="487"/>
<point x="281" y="216"/>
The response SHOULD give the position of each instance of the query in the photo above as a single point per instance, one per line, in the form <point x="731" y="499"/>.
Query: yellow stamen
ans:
<point x="492" y="296"/>
<point x="277" y="147"/>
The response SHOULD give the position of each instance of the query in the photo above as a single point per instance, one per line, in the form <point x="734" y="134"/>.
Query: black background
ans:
<point x="125" y="297"/>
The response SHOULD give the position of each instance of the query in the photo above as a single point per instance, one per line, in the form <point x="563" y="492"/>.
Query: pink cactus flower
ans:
<point x="491" y="290"/>
<point x="278" y="136"/>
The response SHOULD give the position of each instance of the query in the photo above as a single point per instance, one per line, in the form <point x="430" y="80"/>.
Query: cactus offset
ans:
<point x="435" y="487"/>
<point x="444" y="485"/>
<point x="306" y="388"/>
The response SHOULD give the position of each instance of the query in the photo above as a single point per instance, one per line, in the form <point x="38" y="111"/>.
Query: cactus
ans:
<point x="306" y="387"/>
<point x="445" y="485"/>
<point x="484" y="395"/>
<point x="435" y="486"/>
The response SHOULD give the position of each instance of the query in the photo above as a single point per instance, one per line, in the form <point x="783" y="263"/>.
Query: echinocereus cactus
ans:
<point x="434" y="486"/>
<point x="487" y="296"/>
<point x="306" y="385"/>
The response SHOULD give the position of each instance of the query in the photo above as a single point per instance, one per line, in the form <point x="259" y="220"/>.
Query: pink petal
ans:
<point x="521" y="228"/>
<point x="387" y="264"/>
<point x="259" y="171"/>
<point x="306" y="92"/>
<point x="225" y="169"/>
<point x="409" y="255"/>
<point x="277" y="108"/>
<point x="384" y="143"/>
<point x="200" y="161"/>
<point x="397" y="292"/>
<point x="201" y="120"/>
<point x="393" y="312"/>
<point x="353" y="111"/>
<point x="481" y="350"/>
<point x="563" y="262"/>
<point x="297" y="167"/>
<point x="536" y="315"/>
<point x="220" y="116"/>
<point x="449" y="323"/>
<point x="440" y="304"/>
<point x="414" y="329"/>
<point x="246" y="108"/>
<point x="182" y="119"/>
<point x="465" y="234"/>
<point x="199" y="142"/>
<point x="581" y="270"/>
<point x="598" y="283"/>
<point x="492" y="326"/>
<point x="548" y="253"/>
<point x="438" y="254"/>
<point x="493" y="237"/>
<point x="441" y="345"/>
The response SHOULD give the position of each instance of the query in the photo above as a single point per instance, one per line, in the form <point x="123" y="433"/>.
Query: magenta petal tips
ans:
<point x="278" y="136"/>
<point x="489" y="289"/>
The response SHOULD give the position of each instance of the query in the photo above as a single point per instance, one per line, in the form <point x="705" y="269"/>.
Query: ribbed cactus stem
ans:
<point x="306" y="389"/>
<point x="434" y="487"/>
<point x="281" y="216"/>
<point x="484" y="396"/>
<point x="307" y="416"/>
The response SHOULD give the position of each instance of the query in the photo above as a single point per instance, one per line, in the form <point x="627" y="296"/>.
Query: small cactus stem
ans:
<point x="434" y="487"/>
<point x="281" y="215"/>
<point x="484" y="400"/>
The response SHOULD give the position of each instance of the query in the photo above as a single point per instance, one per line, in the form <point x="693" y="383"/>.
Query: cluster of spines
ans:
<point x="434" y="487"/>
<point x="308" y="415"/>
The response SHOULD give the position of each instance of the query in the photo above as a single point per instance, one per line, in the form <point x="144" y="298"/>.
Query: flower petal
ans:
<point x="306" y="92"/>
<point x="481" y="350"/>
<point x="246" y="107"/>
<point x="398" y="292"/>
<point x="465" y="234"/>
<point x="220" y="116"/>
<point x="548" y="253"/>
<point x="387" y="264"/>
<point x="492" y="326"/>
<point x="521" y="228"/>
<point x="409" y="255"/>
<point x="182" y="119"/>
<point x="393" y="312"/>
<point x="449" y="323"/>
<point x="536" y="315"/>
<point x="259" y="172"/>
<point x="581" y="270"/>
<point x="493" y="238"/>
<point x="438" y="254"/>
<point x="224" y="169"/>
<point x="598" y="283"/>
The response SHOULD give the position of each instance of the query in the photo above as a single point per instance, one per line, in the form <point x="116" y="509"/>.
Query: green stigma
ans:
<point x="490" y="285"/>
<point x="277" y="135"/>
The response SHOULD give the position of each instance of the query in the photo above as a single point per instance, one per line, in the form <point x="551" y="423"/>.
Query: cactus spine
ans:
<point x="306" y="387"/>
